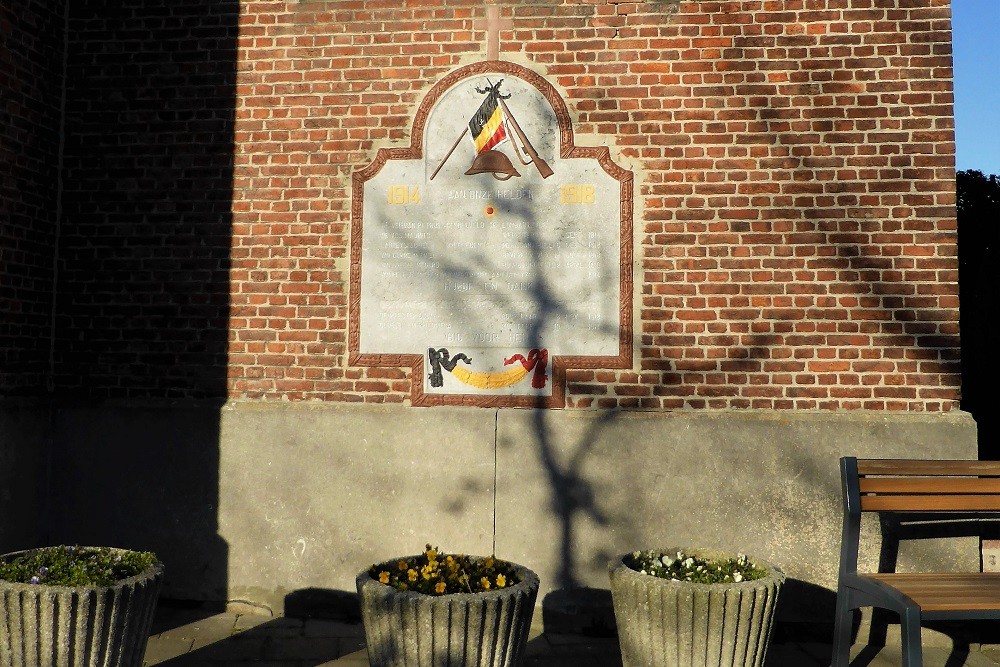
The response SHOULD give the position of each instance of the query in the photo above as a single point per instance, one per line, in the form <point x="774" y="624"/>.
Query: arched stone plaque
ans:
<point x="492" y="254"/>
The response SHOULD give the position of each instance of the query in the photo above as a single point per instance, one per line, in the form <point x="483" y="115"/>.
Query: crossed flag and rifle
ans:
<point x="488" y="127"/>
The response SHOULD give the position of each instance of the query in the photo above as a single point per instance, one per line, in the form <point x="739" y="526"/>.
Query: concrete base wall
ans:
<point x="145" y="477"/>
<point x="24" y="444"/>
<point x="266" y="502"/>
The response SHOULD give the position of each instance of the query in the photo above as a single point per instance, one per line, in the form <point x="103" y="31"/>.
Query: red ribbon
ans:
<point x="537" y="361"/>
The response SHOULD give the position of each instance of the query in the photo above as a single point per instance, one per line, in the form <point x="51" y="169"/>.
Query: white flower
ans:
<point x="737" y="577"/>
<point x="688" y="562"/>
<point x="667" y="561"/>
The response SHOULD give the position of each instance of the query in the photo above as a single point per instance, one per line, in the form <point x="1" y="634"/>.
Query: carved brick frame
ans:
<point x="567" y="149"/>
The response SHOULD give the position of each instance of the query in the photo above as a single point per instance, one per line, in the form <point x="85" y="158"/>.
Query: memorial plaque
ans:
<point x="493" y="254"/>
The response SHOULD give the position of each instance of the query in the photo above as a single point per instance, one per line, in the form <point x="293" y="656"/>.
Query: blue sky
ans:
<point x="975" y="30"/>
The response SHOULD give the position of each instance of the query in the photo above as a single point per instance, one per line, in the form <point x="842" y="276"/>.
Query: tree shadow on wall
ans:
<point x="570" y="495"/>
<point x="862" y="277"/>
<point x="143" y="283"/>
<point x="575" y="501"/>
<point x="901" y="300"/>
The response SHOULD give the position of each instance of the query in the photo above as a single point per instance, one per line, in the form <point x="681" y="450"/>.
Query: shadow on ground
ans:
<point x="322" y="628"/>
<point x="204" y="635"/>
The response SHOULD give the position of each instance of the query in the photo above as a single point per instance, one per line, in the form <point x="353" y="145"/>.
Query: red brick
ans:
<point x="796" y="218"/>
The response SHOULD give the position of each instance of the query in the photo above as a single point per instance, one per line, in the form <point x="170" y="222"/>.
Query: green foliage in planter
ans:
<point x="75" y="566"/>
<point x="434" y="573"/>
<point x="680" y="566"/>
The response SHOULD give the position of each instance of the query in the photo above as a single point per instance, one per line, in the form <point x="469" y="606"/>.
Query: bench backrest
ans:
<point x="909" y="485"/>
<point x="896" y="485"/>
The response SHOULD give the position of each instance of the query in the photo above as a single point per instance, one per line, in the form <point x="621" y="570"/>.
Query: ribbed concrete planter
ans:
<point x="406" y="629"/>
<point x="665" y="623"/>
<point x="68" y="626"/>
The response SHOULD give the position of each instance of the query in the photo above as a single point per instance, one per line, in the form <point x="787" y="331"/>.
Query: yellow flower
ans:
<point x="501" y="581"/>
<point x="485" y="583"/>
<point x="402" y="565"/>
<point x="488" y="563"/>
<point x="412" y="574"/>
<point x="383" y="577"/>
<point x="432" y="554"/>
<point x="439" y="587"/>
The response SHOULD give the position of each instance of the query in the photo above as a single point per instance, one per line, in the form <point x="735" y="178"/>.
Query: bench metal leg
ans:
<point x="842" y="630"/>
<point x="909" y="625"/>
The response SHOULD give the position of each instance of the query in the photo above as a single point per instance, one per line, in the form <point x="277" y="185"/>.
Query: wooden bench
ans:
<point x="928" y="488"/>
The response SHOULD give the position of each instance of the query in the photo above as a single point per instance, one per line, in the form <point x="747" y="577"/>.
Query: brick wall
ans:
<point x="144" y="285"/>
<point x="794" y="191"/>
<point x="31" y="64"/>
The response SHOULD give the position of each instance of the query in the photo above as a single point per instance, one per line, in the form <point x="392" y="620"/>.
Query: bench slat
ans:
<point x="931" y="503"/>
<point x="927" y="467"/>
<point x="916" y="486"/>
<point x="962" y="485"/>
<point x="947" y="591"/>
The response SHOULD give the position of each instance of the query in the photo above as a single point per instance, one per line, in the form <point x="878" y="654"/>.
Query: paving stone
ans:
<point x="891" y="656"/>
<point x="562" y="639"/>
<point x="538" y="644"/>
<point x="281" y="628"/>
<point x="352" y="645"/>
<point x="248" y="609"/>
<point x="206" y="630"/>
<point x="248" y="621"/>
<point x="170" y="617"/>
<point x="573" y="660"/>
<point x="315" y="627"/>
<point x="793" y="655"/>
<point x="304" y="648"/>
<point x="240" y="647"/>
<point x="349" y="660"/>
<point x="230" y="640"/>
<point x="160" y="649"/>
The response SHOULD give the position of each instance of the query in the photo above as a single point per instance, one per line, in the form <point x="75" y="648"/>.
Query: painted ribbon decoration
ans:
<point x="536" y="360"/>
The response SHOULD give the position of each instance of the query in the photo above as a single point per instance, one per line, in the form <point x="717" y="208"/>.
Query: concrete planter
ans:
<point x="406" y="629"/>
<point x="69" y="626"/>
<point x="665" y="623"/>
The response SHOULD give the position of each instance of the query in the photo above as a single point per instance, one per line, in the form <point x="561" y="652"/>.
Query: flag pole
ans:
<point x="454" y="146"/>
<point x="543" y="168"/>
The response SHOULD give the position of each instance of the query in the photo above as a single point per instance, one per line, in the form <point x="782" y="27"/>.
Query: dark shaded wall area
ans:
<point x="31" y="83"/>
<point x="143" y="283"/>
<point x="143" y="287"/>
<point x="120" y="230"/>
<point x="31" y="78"/>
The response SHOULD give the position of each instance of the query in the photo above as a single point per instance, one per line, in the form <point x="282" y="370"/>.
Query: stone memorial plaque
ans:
<point x="493" y="254"/>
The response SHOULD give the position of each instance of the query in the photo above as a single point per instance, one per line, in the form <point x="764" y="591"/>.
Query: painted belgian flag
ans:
<point x="487" y="125"/>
